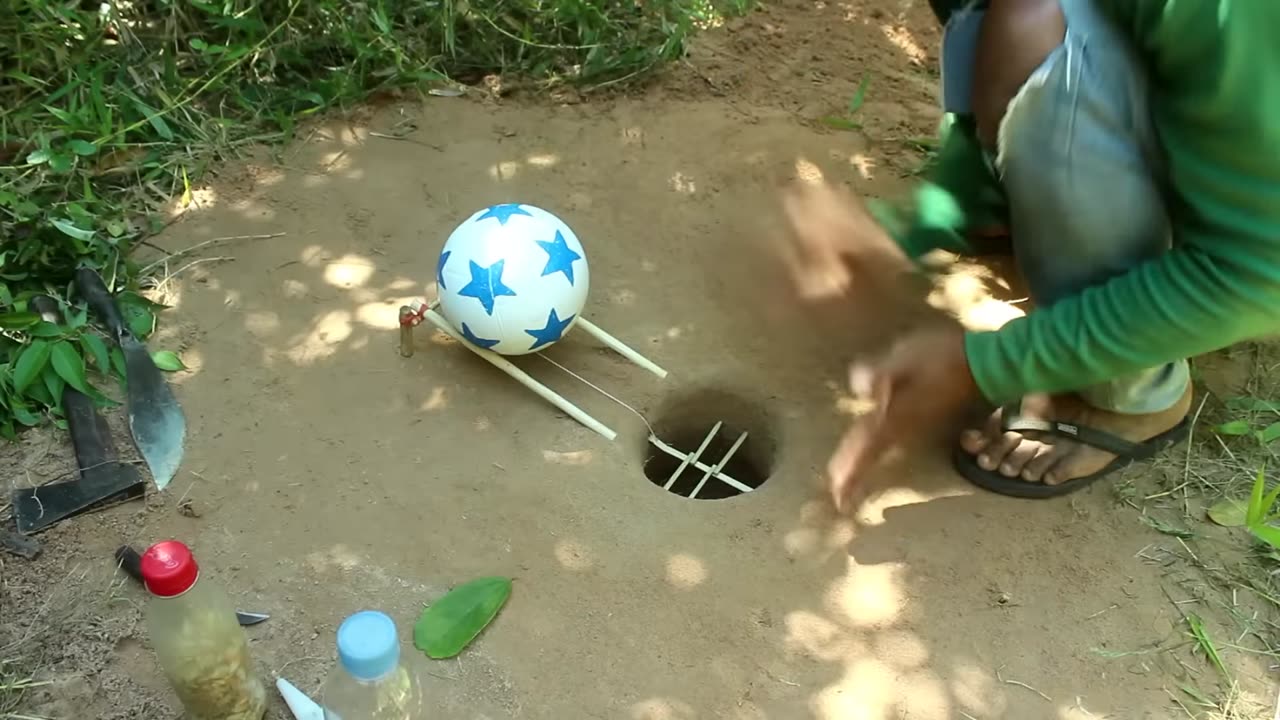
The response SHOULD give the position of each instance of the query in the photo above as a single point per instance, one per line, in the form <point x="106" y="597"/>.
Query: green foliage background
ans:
<point x="108" y="110"/>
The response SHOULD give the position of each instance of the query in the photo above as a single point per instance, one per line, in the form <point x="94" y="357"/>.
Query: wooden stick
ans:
<point x="693" y="457"/>
<point x="522" y="377"/>
<point x="740" y="487"/>
<point x="715" y="469"/>
<point x="620" y="347"/>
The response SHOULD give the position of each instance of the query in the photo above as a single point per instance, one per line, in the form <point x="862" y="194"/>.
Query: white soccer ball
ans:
<point x="512" y="278"/>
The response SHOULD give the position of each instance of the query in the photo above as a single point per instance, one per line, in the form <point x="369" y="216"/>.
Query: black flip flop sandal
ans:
<point x="1126" y="453"/>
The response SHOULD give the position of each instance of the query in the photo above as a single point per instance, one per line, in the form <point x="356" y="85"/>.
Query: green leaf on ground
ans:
<point x="1229" y="512"/>
<point x="452" y="622"/>
<point x="859" y="95"/>
<point x="1202" y="637"/>
<point x="839" y="123"/>
<point x="140" y="321"/>
<point x="1253" y="404"/>
<point x="66" y="360"/>
<point x="1161" y="526"/>
<point x="1269" y="433"/>
<point x="39" y="157"/>
<point x="83" y="147"/>
<point x="1235" y="427"/>
<point x="167" y="360"/>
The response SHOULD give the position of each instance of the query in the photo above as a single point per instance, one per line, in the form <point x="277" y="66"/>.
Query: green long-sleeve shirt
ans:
<point x="1214" y="67"/>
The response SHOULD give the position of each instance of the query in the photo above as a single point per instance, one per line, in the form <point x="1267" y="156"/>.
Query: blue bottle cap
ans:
<point x="367" y="645"/>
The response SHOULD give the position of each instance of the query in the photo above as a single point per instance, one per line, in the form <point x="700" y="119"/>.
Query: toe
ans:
<point x="1040" y="467"/>
<point x="1014" y="463"/>
<point x="973" y="441"/>
<point x="996" y="452"/>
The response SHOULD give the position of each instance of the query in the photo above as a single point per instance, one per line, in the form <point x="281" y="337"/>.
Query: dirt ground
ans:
<point x="325" y="473"/>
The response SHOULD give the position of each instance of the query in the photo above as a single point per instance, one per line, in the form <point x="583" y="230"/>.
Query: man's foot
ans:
<point x="1054" y="458"/>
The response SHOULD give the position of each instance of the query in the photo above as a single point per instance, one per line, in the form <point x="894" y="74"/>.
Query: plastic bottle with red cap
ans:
<point x="200" y="645"/>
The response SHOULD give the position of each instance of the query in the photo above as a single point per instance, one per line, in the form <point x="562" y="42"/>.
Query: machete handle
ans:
<point x="100" y="300"/>
<point x="130" y="561"/>
<point x="47" y="307"/>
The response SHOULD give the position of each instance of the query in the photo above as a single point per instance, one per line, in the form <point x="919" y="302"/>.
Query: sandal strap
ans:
<point x="1014" y="421"/>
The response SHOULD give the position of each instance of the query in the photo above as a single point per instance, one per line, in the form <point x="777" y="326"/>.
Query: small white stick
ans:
<point x="715" y="470"/>
<point x="522" y="377"/>
<point x="620" y="347"/>
<point x="688" y="458"/>
<point x="740" y="487"/>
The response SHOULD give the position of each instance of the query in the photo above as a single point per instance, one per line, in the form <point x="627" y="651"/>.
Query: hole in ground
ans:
<point x="683" y="424"/>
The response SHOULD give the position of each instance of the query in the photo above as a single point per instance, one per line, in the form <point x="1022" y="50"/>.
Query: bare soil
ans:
<point x="325" y="473"/>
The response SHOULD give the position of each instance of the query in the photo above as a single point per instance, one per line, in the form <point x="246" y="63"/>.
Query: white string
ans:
<point x="600" y="390"/>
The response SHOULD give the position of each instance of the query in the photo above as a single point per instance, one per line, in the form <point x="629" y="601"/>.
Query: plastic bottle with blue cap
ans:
<point x="371" y="680"/>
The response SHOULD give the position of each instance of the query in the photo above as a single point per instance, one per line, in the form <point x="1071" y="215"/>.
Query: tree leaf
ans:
<point x="66" y="360"/>
<point x="60" y="163"/>
<point x="30" y="363"/>
<point x="452" y="622"/>
<point x="1235" y="427"/>
<point x="117" y="361"/>
<point x="97" y="350"/>
<point x="72" y="231"/>
<point x="1269" y="433"/>
<point x="18" y="320"/>
<point x="39" y="157"/>
<point x="1229" y="512"/>
<point x="23" y="414"/>
<point x="83" y="148"/>
<point x="167" y="360"/>
<point x="140" y="321"/>
<point x="54" y="384"/>
<point x="44" y="329"/>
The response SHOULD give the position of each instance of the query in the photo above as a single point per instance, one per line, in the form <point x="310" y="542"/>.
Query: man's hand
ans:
<point x="836" y="242"/>
<point x="922" y="382"/>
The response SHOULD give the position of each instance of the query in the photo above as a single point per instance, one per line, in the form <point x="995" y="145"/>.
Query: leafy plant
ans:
<point x="1260" y="513"/>
<point x="109" y="110"/>
<point x="847" y="122"/>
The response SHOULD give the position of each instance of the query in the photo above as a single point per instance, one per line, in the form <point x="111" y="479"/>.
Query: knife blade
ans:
<point x="131" y="562"/>
<point x="155" y="418"/>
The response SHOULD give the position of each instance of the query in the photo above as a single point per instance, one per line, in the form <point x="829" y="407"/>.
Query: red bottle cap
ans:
<point x="169" y="569"/>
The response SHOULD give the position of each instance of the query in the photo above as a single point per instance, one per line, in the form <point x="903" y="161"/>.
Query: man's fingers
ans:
<point x="863" y="444"/>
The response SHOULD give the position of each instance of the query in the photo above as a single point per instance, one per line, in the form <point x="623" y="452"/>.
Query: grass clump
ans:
<point x="109" y="110"/>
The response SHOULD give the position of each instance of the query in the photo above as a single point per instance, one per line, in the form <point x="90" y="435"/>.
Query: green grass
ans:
<point x="104" y="118"/>
<point x="1215" y="501"/>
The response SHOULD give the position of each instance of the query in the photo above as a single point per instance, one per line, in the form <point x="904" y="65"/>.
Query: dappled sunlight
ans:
<point x="683" y="184"/>
<point x="903" y="649"/>
<point x="662" y="709"/>
<point x="437" y="400"/>
<point x="572" y="457"/>
<point x="900" y="37"/>
<point x="812" y="635"/>
<point x="976" y="692"/>
<point x="871" y="511"/>
<point x="573" y="555"/>
<point x="338" y="557"/>
<point x="325" y="337"/>
<point x="964" y="292"/>
<point x="262" y="323"/>
<point x="865" y="692"/>
<point x="685" y="572"/>
<point x="543" y="160"/>
<point x="867" y="595"/>
<point x="383" y="314"/>
<point x="504" y="170"/>
<point x="808" y="172"/>
<point x="294" y="289"/>
<point x="349" y="271"/>
<point x="864" y="164"/>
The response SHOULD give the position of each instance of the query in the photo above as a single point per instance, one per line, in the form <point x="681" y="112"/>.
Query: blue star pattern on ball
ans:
<point x="502" y="213"/>
<point x="477" y="341"/>
<point x="554" y="329"/>
<point x="486" y="285"/>
<point x="560" y="257"/>
<point x="444" y="258"/>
